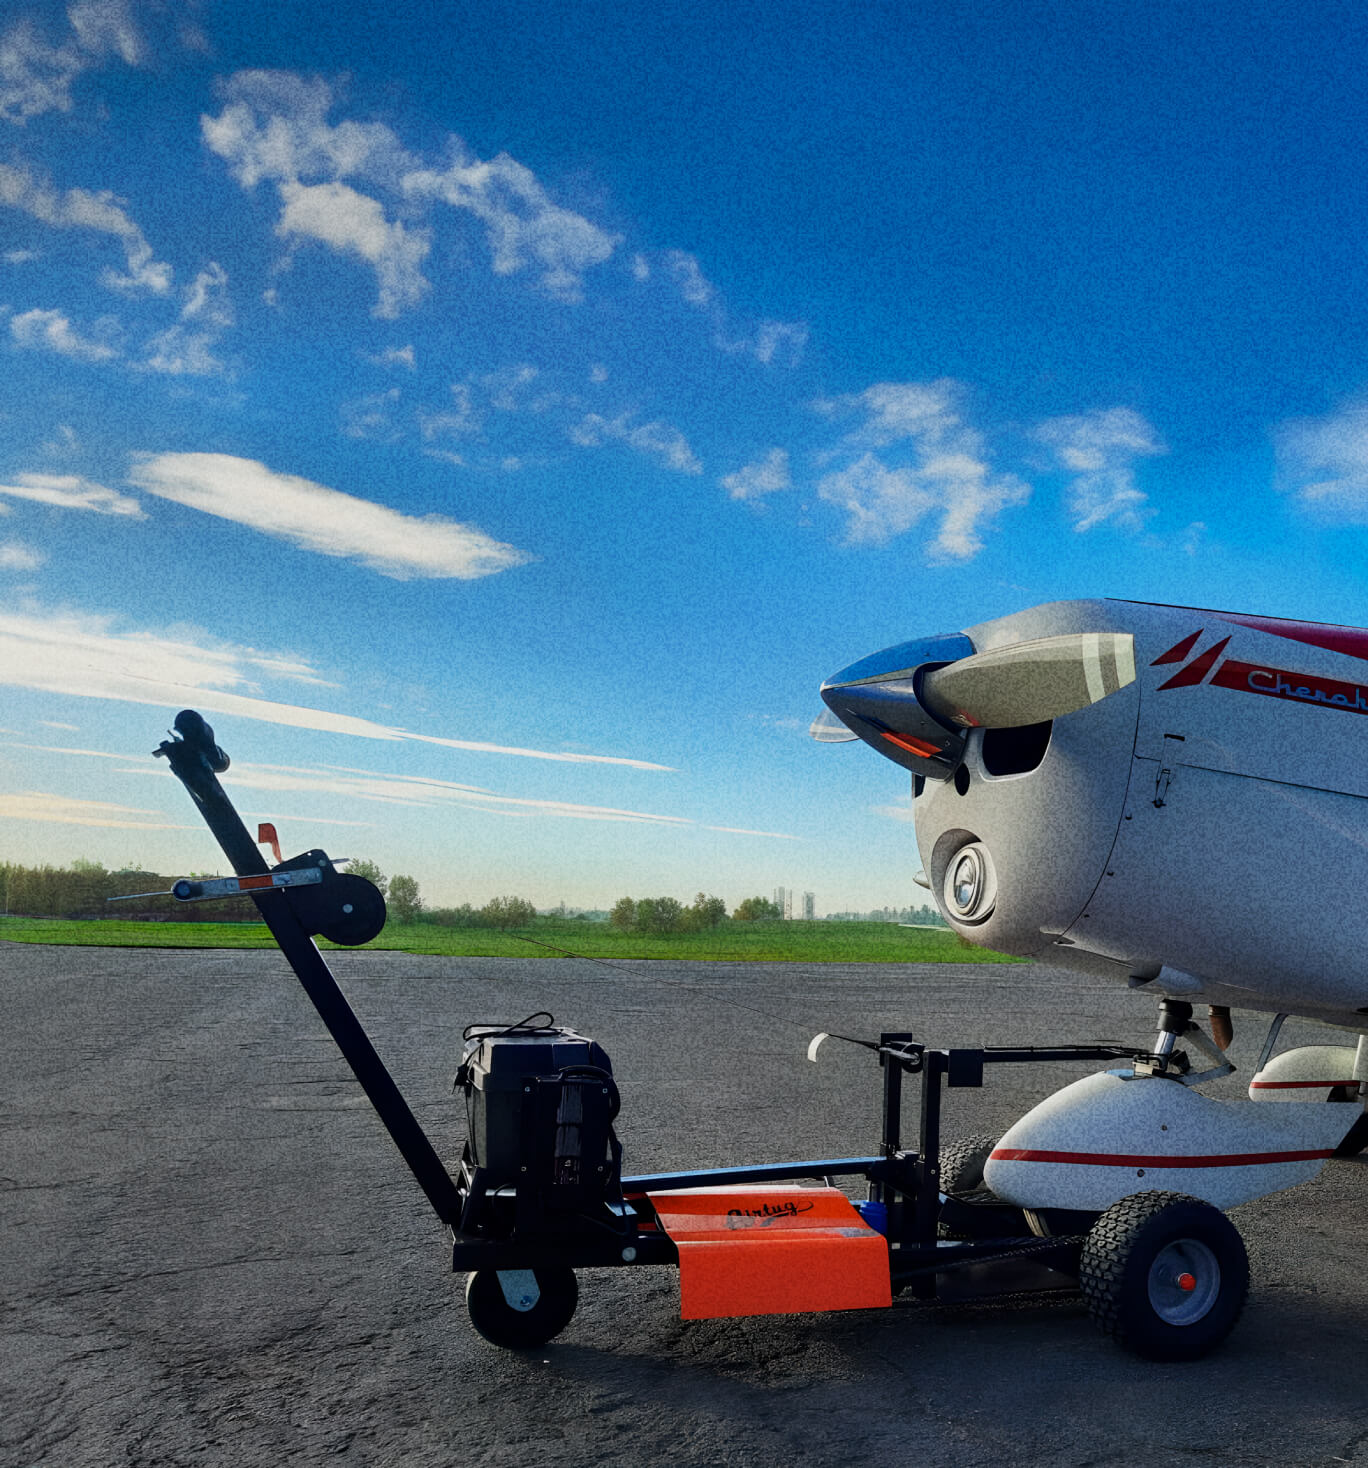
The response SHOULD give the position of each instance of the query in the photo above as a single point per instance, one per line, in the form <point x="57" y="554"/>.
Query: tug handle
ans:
<point x="197" y="761"/>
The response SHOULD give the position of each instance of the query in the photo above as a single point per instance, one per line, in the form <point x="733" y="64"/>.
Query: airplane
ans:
<point x="1171" y="797"/>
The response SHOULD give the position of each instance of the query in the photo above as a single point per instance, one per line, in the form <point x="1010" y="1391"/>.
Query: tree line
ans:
<point x="82" y="890"/>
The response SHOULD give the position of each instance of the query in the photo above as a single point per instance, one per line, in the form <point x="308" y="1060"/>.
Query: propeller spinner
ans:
<point x="914" y="702"/>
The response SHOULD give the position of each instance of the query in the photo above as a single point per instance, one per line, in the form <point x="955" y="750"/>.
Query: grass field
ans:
<point x="793" y="942"/>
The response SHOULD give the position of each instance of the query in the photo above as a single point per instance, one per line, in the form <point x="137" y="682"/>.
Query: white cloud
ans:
<point x="63" y="810"/>
<point x="425" y="790"/>
<point x="771" y="341"/>
<point x="505" y="385"/>
<point x="462" y="419"/>
<point x="765" y="476"/>
<point x="36" y="77"/>
<point x="84" y="656"/>
<point x="317" y="518"/>
<point x="659" y="440"/>
<point x="372" y="416"/>
<point x="187" y="347"/>
<point x="274" y="127"/>
<point x="1323" y="462"/>
<point x="17" y="557"/>
<point x="689" y="280"/>
<point x="67" y="492"/>
<point x="894" y="412"/>
<point x="1099" y="449"/>
<point x="767" y="341"/>
<point x="105" y="26"/>
<point x="51" y="331"/>
<point x="337" y="215"/>
<point x="20" y="257"/>
<point x="101" y="212"/>
<point x="395" y="357"/>
<point x="523" y="227"/>
<point x="939" y="469"/>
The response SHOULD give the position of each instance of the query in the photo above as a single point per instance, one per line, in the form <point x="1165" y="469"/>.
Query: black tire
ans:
<point x="961" y="1164"/>
<point x="518" y="1329"/>
<point x="1164" y="1275"/>
<point x="961" y="1177"/>
<point x="1355" y="1139"/>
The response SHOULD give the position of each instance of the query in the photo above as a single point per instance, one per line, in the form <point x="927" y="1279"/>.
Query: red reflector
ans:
<point x="1187" y="1283"/>
<point x="912" y="746"/>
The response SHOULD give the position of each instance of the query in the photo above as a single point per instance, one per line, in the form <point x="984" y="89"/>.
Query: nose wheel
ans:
<point x="1164" y="1275"/>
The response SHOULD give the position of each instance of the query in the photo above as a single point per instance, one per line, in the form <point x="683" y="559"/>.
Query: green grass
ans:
<point x="792" y="942"/>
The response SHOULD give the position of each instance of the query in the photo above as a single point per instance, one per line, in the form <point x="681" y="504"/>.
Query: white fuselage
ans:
<point x="1202" y="831"/>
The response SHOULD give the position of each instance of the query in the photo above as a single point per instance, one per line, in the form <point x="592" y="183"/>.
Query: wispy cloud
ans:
<point x="347" y="783"/>
<point x="1099" y="449"/>
<point x="102" y="212"/>
<point x="523" y="226"/>
<point x="688" y="278"/>
<point x="930" y="465"/>
<point x="324" y="520"/>
<point x="766" y="476"/>
<point x="187" y="347"/>
<point x="68" y="492"/>
<point x="1323" y="462"/>
<point x="15" y="556"/>
<point x="766" y="341"/>
<point x="658" y="440"/>
<point x="337" y="215"/>
<point x="275" y="127"/>
<point x="372" y="416"/>
<point x="51" y="331"/>
<point x="84" y="656"/>
<point x="64" y="810"/>
<point x="425" y="790"/>
<point x="36" y="76"/>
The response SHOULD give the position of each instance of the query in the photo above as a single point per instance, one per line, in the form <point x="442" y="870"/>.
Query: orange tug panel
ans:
<point x="772" y="1250"/>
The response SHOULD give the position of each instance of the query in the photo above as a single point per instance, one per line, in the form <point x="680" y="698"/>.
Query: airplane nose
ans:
<point x="914" y="701"/>
<point x="878" y="700"/>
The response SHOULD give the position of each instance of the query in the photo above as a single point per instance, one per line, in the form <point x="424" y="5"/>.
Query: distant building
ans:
<point x="783" y="900"/>
<point x="809" y="905"/>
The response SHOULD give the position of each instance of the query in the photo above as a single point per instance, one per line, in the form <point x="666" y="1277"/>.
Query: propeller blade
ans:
<point x="826" y="728"/>
<point x="1032" y="681"/>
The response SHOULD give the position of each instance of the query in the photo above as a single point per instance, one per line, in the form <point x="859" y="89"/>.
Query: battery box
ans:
<point x="540" y="1102"/>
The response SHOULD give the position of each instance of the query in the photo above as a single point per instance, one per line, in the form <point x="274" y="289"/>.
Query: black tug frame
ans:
<point x="508" y="1228"/>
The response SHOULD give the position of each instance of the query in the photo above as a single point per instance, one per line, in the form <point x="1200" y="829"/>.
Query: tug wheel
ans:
<point x="521" y="1309"/>
<point x="1164" y="1275"/>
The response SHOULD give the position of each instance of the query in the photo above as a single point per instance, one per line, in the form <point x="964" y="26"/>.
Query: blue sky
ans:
<point x="499" y="419"/>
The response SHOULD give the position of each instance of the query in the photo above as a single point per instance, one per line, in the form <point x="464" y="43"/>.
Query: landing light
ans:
<point x="971" y="884"/>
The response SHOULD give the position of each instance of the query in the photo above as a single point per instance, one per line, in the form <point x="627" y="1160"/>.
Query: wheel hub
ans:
<point x="1184" y="1281"/>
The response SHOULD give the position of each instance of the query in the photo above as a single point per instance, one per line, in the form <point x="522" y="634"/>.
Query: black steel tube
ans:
<point x="189" y="765"/>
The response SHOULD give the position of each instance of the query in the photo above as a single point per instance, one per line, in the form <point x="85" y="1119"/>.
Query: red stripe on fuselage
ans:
<point x="1119" y="1159"/>
<point x="1350" y="640"/>
<point x="1294" y="1085"/>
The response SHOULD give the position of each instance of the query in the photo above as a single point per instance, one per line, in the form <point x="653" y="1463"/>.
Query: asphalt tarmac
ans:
<point x="212" y="1254"/>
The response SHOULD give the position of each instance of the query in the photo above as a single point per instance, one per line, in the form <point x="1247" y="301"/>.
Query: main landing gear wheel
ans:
<point x="1355" y="1139"/>
<point x="1164" y="1275"/>
<point x="521" y="1309"/>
